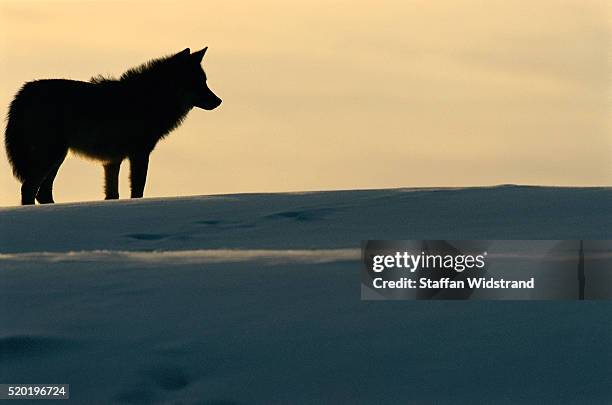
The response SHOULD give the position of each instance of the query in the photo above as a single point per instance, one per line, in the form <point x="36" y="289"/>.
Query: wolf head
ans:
<point x="192" y="79"/>
<point x="178" y="75"/>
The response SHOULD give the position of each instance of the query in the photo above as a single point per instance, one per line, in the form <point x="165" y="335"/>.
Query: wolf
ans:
<point x="105" y="119"/>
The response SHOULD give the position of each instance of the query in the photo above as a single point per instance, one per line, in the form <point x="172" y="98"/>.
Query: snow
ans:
<point x="255" y="299"/>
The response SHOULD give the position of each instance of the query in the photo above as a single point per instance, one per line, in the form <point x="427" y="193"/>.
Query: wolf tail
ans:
<point x="15" y="140"/>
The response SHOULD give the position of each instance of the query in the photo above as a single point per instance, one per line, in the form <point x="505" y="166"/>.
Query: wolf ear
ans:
<point x="197" y="56"/>
<point x="182" y="54"/>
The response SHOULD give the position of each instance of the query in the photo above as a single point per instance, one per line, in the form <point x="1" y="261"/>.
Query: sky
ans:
<point x="325" y="94"/>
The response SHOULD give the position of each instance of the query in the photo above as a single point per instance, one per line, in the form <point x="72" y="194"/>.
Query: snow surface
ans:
<point x="255" y="299"/>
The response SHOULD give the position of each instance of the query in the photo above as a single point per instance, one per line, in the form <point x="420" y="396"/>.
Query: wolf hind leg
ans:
<point x="138" y="174"/>
<point x="45" y="192"/>
<point x="41" y="167"/>
<point x="29" y="188"/>
<point x="111" y="180"/>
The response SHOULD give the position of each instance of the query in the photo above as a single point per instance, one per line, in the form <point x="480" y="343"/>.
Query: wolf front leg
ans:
<point x="138" y="174"/>
<point x="111" y="180"/>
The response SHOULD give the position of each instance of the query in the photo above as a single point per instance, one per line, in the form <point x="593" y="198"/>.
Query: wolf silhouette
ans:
<point x="105" y="119"/>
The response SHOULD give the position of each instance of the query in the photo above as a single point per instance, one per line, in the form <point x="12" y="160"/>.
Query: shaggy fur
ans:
<point x="105" y="119"/>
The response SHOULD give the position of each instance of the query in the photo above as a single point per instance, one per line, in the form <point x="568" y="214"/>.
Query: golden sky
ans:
<point x="323" y="94"/>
